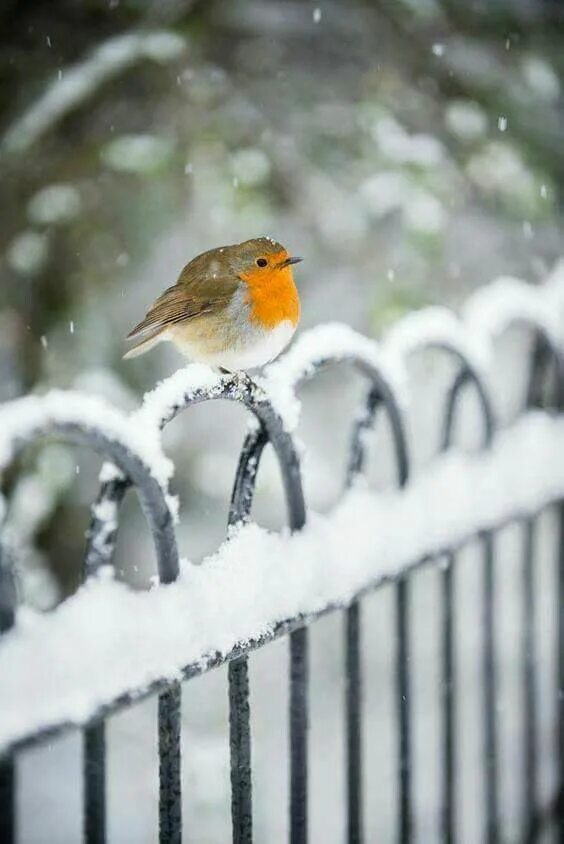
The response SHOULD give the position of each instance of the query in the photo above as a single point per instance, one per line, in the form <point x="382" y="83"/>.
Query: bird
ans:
<point x="234" y="307"/>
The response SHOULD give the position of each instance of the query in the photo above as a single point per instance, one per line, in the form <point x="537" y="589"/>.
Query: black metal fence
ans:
<point x="546" y="388"/>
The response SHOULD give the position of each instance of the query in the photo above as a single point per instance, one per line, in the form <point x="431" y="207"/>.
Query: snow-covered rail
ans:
<point x="70" y="667"/>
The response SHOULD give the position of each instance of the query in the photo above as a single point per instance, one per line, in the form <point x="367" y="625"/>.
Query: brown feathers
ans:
<point x="206" y="287"/>
<point x="186" y="300"/>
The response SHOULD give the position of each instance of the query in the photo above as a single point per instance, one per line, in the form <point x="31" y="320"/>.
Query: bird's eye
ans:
<point x="261" y="262"/>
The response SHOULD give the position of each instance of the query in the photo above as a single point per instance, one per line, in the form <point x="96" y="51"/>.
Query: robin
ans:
<point x="235" y="307"/>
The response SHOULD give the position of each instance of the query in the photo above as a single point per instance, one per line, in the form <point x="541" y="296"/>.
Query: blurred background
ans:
<point x="410" y="150"/>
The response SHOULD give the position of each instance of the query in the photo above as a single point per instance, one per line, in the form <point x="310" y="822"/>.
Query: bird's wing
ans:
<point x="186" y="300"/>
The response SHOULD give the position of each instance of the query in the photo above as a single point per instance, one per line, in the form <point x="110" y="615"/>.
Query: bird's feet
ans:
<point x="239" y="377"/>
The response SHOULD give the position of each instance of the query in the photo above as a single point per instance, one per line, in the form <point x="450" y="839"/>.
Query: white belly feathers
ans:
<point x="255" y="347"/>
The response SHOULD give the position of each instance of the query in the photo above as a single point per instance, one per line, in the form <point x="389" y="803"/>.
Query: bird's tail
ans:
<point x="143" y="343"/>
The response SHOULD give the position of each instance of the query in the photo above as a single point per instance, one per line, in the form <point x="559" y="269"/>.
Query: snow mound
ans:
<point x="60" y="667"/>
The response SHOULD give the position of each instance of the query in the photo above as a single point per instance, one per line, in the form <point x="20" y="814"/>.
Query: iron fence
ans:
<point x="546" y="388"/>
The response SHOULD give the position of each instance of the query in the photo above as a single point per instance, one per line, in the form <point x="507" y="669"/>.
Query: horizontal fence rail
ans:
<point x="138" y="461"/>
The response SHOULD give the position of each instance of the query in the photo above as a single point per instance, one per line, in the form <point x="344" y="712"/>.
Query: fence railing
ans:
<point x="132" y="445"/>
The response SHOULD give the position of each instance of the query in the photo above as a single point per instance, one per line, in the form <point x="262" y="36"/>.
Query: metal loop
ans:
<point x="8" y="594"/>
<point x="380" y="393"/>
<point x="150" y="492"/>
<point x="242" y="389"/>
<point x="545" y="351"/>
<point x="466" y="375"/>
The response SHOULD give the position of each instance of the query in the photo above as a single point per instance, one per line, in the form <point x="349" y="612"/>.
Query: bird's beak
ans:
<point x="288" y="261"/>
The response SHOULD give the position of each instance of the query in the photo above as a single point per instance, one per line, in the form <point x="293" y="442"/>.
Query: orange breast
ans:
<point x="273" y="297"/>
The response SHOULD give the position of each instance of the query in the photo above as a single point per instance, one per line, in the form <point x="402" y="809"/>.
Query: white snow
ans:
<point x="106" y="512"/>
<point x="159" y="404"/>
<point x="332" y="341"/>
<point x="21" y="418"/>
<point x="508" y="301"/>
<point x="157" y="409"/>
<point x="438" y="327"/>
<point x="553" y="288"/>
<point x="61" y="666"/>
<point x="109" y="473"/>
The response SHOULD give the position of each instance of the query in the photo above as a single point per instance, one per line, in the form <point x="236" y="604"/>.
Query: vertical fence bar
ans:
<point x="7" y="794"/>
<point x="299" y="677"/>
<point x="465" y="376"/>
<point x="560" y="671"/>
<point x="379" y="395"/>
<point x="489" y="688"/>
<point x="100" y="550"/>
<point x="353" y="725"/>
<point x="8" y="600"/>
<point x="94" y="745"/>
<point x="448" y="809"/>
<point x="240" y="748"/>
<point x="403" y="705"/>
<point x="238" y="671"/>
<point x="529" y="683"/>
<point x="546" y="353"/>
<point x="272" y="430"/>
<point x="353" y="667"/>
<point x="170" y="792"/>
<point x="94" y="783"/>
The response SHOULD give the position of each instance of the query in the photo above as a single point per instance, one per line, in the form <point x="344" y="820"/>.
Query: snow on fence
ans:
<point x="78" y="663"/>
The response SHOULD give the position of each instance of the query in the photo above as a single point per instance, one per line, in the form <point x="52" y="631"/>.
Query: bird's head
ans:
<point x="260" y="259"/>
